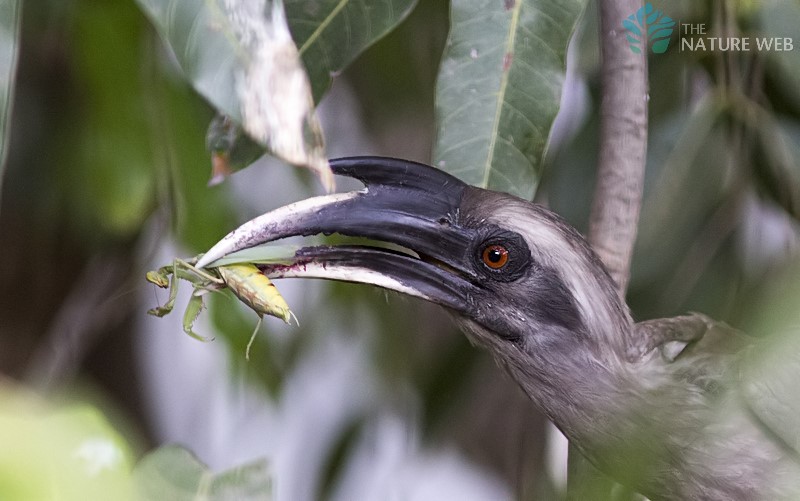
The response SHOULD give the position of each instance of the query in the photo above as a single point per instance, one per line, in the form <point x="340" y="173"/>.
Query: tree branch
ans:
<point x="618" y="192"/>
<point x="623" y="143"/>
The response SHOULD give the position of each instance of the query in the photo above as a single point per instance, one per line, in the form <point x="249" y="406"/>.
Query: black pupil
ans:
<point x="495" y="255"/>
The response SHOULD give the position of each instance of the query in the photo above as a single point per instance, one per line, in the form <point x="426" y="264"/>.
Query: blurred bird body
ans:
<point x="674" y="408"/>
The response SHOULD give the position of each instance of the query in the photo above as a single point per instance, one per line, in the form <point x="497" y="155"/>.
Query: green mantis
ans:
<point x="244" y="280"/>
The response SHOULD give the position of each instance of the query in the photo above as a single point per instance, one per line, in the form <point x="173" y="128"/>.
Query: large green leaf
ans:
<point x="499" y="89"/>
<point x="239" y="55"/>
<point x="67" y="452"/>
<point x="9" y="47"/>
<point x="331" y="33"/>
<point x="172" y="472"/>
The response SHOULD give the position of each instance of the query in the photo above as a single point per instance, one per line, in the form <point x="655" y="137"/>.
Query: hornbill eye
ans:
<point x="494" y="256"/>
<point x="501" y="255"/>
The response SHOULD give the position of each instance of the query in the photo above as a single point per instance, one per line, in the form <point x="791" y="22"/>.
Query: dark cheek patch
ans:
<point x="552" y="302"/>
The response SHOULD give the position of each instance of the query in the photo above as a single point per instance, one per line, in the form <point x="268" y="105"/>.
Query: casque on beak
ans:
<point x="405" y="203"/>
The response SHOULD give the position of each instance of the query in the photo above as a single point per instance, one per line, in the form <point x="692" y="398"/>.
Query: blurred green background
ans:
<point x="107" y="177"/>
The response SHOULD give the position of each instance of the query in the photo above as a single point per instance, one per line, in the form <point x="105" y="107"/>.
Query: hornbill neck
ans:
<point x="580" y="377"/>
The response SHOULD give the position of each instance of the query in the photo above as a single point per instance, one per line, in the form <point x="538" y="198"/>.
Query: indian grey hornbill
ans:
<point x="673" y="408"/>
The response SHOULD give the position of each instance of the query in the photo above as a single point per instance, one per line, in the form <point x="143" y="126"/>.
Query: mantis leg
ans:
<point x="160" y="279"/>
<point x="193" y="309"/>
<point x="200" y="278"/>
<point x="252" y="338"/>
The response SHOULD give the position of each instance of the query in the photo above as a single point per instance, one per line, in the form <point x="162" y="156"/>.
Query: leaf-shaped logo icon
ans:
<point x="648" y="27"/>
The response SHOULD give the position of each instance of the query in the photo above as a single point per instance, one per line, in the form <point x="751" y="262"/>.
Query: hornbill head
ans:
<point x="522" y="281"/>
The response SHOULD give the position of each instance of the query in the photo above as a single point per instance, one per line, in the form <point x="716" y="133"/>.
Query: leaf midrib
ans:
<point x="511" y="38"/>
<point x="324" y="24"/>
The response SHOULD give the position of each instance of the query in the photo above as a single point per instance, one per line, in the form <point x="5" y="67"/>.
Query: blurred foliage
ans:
<point x="173" y="473"/>
<point x="71" y="452"/>
<point x="107" y="154"/>
<point x="68" y="452"/>
<point x="131" y="134"/>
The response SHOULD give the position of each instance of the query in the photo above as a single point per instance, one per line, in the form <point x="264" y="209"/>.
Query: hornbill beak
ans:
<point x="408" y="204"/>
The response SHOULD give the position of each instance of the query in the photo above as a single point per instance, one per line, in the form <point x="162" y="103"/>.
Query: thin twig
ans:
<point x="94" y="305"/>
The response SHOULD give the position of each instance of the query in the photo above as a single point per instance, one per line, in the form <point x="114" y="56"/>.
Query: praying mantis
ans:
<point x="243" y="279"/>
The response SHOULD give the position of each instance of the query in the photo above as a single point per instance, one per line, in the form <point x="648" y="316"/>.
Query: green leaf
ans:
<point x="10" y="11"/>
<point x="193" y="309"/>
<point x="239" y="55"/>
<point x="68" y="453"/>
<point x="331" y="33"/>
<point x="499" y="89"/>
<point x="173" y="473"/>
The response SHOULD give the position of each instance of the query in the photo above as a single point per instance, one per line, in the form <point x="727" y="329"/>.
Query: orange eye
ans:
<point x="495" y="256"/>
